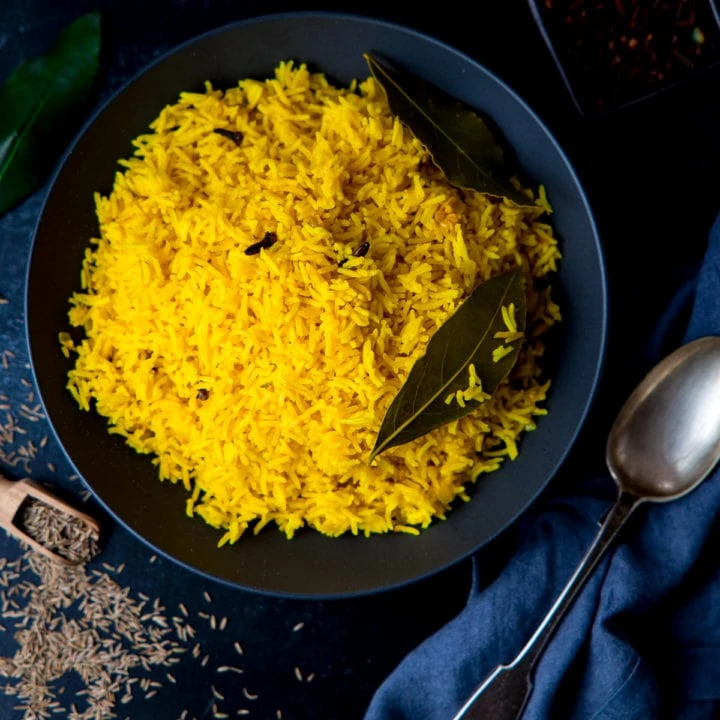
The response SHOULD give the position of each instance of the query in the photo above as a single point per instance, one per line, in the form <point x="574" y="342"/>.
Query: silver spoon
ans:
<point x="663" y="444"/>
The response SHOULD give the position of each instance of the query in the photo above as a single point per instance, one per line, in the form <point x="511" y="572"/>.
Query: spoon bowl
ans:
<point x="666" y="438"/>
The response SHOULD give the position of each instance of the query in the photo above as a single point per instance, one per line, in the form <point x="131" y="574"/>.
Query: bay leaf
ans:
<point x="38" y="106"/>
<point x="458" y="139"/>
<point x="467" y="336"/>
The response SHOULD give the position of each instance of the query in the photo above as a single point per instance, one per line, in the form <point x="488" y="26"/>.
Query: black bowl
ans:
<point x="126" y="484"/>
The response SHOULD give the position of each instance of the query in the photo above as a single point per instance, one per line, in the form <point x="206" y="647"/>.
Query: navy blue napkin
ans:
<point x="642" y="640"/>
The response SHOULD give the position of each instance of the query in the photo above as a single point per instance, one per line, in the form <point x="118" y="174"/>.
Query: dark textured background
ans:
<point x="651" y="176"/>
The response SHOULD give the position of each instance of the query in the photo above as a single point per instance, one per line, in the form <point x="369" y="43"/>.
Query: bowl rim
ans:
<point x="598" y="365"/>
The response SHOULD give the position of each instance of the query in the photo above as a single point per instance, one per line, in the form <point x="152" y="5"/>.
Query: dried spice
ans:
<point x="269" y="239"/>
<point x="70" y="621"/>
<point x="235" y="135"/>
<point x="360" y="251"/>
<point x="203" y="394"/>
<point x="458" y="139"/>
<point x="616" y="51"/>
<point x="467" y="337"/>
<point x="61" y="533"/>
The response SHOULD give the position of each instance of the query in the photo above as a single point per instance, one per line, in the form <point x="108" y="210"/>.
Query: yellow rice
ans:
<point x="260" y="381"/>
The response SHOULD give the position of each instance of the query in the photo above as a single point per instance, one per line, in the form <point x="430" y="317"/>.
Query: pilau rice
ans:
<point x="259" y="381"/>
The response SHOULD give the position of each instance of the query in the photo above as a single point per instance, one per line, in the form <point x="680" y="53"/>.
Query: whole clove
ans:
<point x="360" y="251"/>
<point x="269" y="239"/>
<point x="235" y="135"/>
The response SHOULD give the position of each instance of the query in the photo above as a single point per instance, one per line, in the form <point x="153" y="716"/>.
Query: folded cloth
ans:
<point x="642" y="639"/>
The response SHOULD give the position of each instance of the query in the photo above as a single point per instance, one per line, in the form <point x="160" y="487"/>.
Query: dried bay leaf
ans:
<point x="457" y="138"/>
<point x="468" y="336"/>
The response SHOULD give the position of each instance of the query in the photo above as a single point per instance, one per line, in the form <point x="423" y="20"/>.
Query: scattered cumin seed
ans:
<point x="249" y="695"/>
<point x="183" y="609"/>
<point x="230" y="668"/>
<point x="299" y="626"/>
<point x="310" y="677"/>
<point x="298" y="674"/>
<point x="61" y="533"/>
<point x="205" y="661"/>
<point x="171" y="678"/>
<point x="238" y="648"/>
<point x="216" y="693"/>
<point x="223" y="624"/>
<point x="100" y="636"/>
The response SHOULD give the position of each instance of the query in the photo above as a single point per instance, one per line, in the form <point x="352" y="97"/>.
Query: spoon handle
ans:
<point x="504" y="693"/>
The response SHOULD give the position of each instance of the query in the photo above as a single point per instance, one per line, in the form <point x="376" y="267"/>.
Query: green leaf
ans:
<point x="468" y="336"/>
<point x="458" y="140"/>
<point x="38" y="104"/>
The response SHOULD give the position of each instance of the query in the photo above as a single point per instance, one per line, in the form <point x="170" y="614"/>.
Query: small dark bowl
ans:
<point x="613" y="54"/>
<point x="310" y="565"/>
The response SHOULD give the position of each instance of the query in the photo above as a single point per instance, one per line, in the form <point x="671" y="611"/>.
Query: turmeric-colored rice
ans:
<point x="260" y="381"/>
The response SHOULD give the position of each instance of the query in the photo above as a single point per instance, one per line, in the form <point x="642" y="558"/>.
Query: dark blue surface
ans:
<point x="651" y="176"/>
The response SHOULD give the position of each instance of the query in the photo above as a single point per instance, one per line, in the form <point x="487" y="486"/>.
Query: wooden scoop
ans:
<point x="12" y="496"/>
